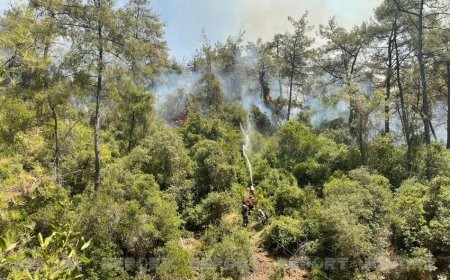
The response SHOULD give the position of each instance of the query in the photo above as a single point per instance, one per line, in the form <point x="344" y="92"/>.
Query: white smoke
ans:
<point x="440" y="121"/>
<point x="172" y="92"/>
<point x="321" y="112"/>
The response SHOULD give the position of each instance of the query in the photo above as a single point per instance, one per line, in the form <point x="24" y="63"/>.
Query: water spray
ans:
<point x="244" y="148"/>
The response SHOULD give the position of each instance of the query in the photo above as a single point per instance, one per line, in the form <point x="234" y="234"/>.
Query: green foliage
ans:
<point x="215" y="169"/>
<point x="419" y="264"/>
<point x="58" y="256"/>
<point x="410" y="224"/>
<point x="274" y="179"/>
<point x="279" y="271"/>
<point x="388" y="160"/>
<point x="287" y="200"/>
<point x="296" y="143"/>
<point x="177" y="264"/>
<point x="78" y="160"/>
<point x="211" y="210"/>
<point x="260" y="120"/>
<point x="438" y="211"/>
<point x="233" y="114"/>
<point x="433" y="161"/>
<point x="337" y="190"/>
<point x="284" y="235"/>
<point x="197" y="127"/>
<point x="209" y="90"/>
<point x="311" y="172"/>
<point x="163" y="155"/>
<point x="355" y="216"/>
<point x="131" y="112"/>
<point x="141" y="218"/>
<point x="232" y="256"/>
<point x="16" y="115"/>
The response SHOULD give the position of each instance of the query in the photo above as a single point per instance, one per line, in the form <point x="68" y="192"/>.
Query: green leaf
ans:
<point x="72" y="253"/>
<point x="85" y="245"/>
<point x="41" y="240"/>
<point x="11" y="260"/>
<point x="2" y="244"/>
<point x="28" y="273"/>
<point x="53" y="228"/>
<point x="84" y="259"/>
<point x="10" y="247"/>
<point x="47" y="240"/>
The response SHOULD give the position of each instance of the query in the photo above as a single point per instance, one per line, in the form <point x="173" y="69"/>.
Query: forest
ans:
<point x="120" y="162"/>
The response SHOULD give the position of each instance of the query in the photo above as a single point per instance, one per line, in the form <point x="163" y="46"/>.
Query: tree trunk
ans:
<point x="279" y="74"/>
<point x="407" y="130"/>
<point x="353" y="109"/>
<point x="403" y="113"/>
<point x="388" y="86"/>
<point x="97" y="111"/>
<point x="261" y="83"/>
<point x="277" y="42"/>
<point x="351" y="117"/>
<point x="55" y="123"/>
<point x="56" y="137"/>
<point x="290" y="96"/>
<point x="425" y="106"/>
<point x="291" y="81"/>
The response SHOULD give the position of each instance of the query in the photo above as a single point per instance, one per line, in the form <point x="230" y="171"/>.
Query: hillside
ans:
<point x="322" y="152"/>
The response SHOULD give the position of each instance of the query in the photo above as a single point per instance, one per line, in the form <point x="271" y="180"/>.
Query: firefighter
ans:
<point x="263" y="216"/>
<point x="245" y="211"/>
<point x="250" y="203"/>
<point x="252" y="190"/>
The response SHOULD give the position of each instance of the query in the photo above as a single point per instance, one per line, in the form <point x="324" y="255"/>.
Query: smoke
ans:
<point x="172" y="93"/>
<point x="264" y="18"/>
<point x="321" y="112"/>
<point x="175" y="89"/>
<point x="440" y="121"/>
<point x="259" y="19"/>
<point x="242" y="86"/>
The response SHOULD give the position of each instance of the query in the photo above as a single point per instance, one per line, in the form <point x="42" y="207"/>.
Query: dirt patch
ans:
<point x="266" y="265"/>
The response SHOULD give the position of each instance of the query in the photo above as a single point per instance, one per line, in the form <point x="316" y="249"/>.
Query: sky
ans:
<point x="185" y="19"/>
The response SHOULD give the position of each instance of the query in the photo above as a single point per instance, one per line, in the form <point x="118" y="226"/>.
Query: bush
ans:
<point x="216" y="170"/>
<point x="232" y="256"/>
<point x="163" y="155"/>
<point x="410" y="227"/>
<point x="388" y="160"/>
<point x="355" y="217"/>
<point x="288" y="200"/>
<point x="197" y="127"/>
<point x="295" y="143"/>
<point x="260" y="120"/>
<point x="211" y="210"/>
<point x="311" y="172"/>
<point x="419" y="264"/>
<point x="177" y="263"/>
<point x="284" y="235"/>
<point x="275" y="179"/>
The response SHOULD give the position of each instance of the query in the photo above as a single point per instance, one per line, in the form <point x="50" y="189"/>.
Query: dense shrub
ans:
<point x="356" y="211"/>
<point x="176" y="265"/>
<point x="232" y="256"/>
<point x="284" y="235"/>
